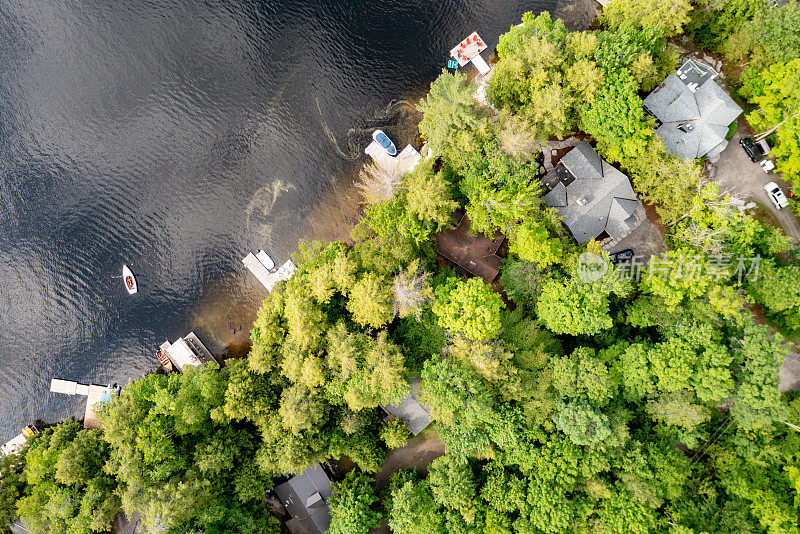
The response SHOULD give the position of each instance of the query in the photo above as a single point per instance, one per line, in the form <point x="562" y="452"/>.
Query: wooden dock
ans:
<point x="95" y="396"/>
<point x="406" y="161"/>
<point x="268" y="277"/>
<point x="95" y="399"/>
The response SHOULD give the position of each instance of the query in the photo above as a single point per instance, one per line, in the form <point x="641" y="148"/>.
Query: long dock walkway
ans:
<point x="95" y="396"/>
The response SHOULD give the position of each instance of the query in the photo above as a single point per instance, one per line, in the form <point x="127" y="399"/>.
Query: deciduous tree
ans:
<point x="468" y="307"/>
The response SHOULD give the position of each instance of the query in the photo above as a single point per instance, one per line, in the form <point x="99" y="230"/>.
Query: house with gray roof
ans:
<point x="693" y="112"/>
<point x="593" y="199"/>
<point x="305" y="497"/>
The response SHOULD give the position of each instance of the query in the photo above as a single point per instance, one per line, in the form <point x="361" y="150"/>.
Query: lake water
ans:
<point x="178" y="136"/>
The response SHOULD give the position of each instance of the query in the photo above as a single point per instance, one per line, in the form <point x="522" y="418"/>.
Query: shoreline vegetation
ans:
<point x="612" y="404"/>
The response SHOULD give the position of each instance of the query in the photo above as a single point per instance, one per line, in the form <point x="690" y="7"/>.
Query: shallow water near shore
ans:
<point x="176" y="137"/>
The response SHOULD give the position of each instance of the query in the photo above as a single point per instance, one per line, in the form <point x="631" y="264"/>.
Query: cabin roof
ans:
<point x="475" y="254"/>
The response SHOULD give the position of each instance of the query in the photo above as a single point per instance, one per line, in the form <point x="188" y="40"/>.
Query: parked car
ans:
<point x="383" y="140"/>
<point x="776" y="195"/>
<point x="767" y="165"/>
<point x="622" y="255"/>
<point x="756" y="151"/>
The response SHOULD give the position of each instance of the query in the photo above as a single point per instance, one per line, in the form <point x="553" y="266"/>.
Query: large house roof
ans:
<point x="694" y="111"/>
<point x="594" y="198"/>
<point x="305" y="497"/>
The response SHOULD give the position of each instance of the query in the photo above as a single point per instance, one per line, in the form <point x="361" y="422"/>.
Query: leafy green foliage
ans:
<point x="532" y="242"/>
<point x="535" y="80"/>
<point x="12" y="486"/>
<point x="502" y="191"/>
<point x="641" y="14"/>
<point x="394" y="433"/>
<point x="468" y="307"/>
<point x="768" y="38"/>
<point x="67" y="487"/>
<point x="449" y="114"/>
<point x="414" y="510"/>
<point x="572" y="306"/>
<point x="180" y="460"/>
<point x="583" y="424"/>
<point x="352" y="506"/>
<point x="616" y="118"/>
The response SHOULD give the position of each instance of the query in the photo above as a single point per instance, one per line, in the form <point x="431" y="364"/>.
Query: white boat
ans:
<point x="383" y="140"/>
<point x="265" y="260"/>
<point x="129" y="279"/>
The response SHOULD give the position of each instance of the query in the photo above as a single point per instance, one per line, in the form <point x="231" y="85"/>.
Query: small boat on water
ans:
<point x="382" y="139"/>
<point x="130" y="280"/>
<point x="164" y="360"/>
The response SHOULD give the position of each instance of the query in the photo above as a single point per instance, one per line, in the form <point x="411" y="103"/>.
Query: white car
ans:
<point x="776" y="195"/>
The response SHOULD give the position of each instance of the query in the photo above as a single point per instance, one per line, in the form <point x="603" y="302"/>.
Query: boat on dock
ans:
<point x="382" y="139"/>
<point x="264" y="258"/>
<point x="129" y="279"/>
<point x="262" y="266"/>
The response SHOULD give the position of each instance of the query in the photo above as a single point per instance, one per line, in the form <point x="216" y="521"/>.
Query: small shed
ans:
<point x="474" y="254"/>
<point x="412" y="413"/>
<point x="305" y="497"/>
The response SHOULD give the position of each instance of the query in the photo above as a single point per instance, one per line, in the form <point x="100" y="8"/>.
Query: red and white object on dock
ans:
<point x="470" y="50"/>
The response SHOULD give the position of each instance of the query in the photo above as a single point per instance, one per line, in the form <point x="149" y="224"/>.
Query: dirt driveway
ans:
<point x="735" y="172"/>
<point x="418" y="453"/>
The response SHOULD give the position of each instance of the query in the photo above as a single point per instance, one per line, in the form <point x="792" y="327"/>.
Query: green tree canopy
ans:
<point x="468" y="307"/>
<point x="449" y="114"/>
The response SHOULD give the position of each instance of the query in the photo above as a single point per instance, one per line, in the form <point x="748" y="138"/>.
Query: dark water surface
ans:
<point x="178" y="135"/>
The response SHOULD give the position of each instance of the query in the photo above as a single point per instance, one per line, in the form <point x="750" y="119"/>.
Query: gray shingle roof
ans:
<point x="305" y="497"/>
<point x="694" y="111"/>
<point x="413" y="414"/>
<point x="600" y="198"/>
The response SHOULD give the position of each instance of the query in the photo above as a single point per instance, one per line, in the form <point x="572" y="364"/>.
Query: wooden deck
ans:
<point x="474" y="254"/>
<point x="93" y="402"/>
<point x="406" y="161"/>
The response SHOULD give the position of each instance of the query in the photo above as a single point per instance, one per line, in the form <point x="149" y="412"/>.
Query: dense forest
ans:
<point x="623" y="404"/>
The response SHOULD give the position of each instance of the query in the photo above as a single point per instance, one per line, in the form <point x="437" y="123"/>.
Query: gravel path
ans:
<point x="420" y="451"/>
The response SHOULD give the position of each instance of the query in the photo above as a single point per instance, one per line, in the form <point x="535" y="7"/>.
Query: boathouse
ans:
<point x="187" y="351"/>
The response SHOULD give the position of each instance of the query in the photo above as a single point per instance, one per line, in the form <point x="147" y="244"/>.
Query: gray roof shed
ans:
<point x="413" y="414"/>
<point x="305" y="497"/>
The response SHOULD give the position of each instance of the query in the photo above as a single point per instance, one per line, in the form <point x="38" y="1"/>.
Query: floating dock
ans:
<point x="14" y="445"/>
<point x="406" y="161"/>
<point x="95" y="396"/>
<point x="263" y="268"/>
<point x="187" y="351"/>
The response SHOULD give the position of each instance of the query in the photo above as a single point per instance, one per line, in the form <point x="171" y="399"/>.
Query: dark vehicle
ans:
<point x="756" y="151"/>
<point x="622" y="255"/>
